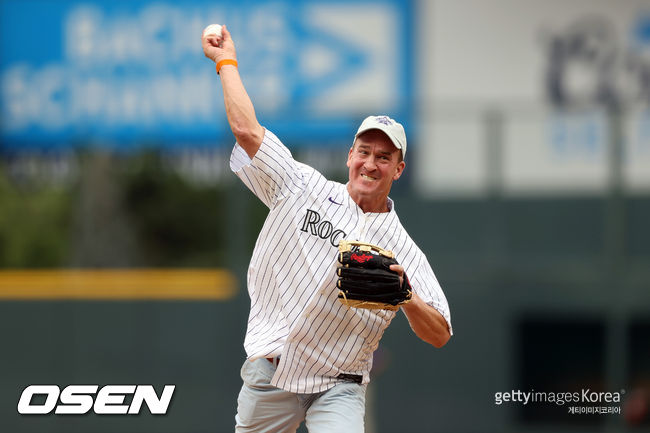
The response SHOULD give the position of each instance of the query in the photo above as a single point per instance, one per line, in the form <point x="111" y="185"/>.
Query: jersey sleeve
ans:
<point x="272" y="174"/>
<point x="426" y="285"/>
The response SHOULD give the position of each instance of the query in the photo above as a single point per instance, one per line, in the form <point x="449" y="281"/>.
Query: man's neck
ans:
<point x="370" y="204"/>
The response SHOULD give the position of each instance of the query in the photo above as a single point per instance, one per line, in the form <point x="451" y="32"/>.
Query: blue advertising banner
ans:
<point x="126" y="73"/>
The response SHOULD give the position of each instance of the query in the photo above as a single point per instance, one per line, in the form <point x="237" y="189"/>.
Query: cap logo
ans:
<point x="383" y="119"/>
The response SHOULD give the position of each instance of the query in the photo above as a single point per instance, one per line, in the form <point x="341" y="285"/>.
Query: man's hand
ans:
<point x="218" y="48"/>
<point x="400" y="271"/>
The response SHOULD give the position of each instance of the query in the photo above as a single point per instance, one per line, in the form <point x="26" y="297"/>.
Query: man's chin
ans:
<point x="368" y="190"/>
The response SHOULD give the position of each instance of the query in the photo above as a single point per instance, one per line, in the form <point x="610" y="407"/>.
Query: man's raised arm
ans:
<point x="239" y="108"/>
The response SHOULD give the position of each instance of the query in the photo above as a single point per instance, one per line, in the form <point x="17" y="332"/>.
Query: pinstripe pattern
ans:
<point x="292" y="275"/>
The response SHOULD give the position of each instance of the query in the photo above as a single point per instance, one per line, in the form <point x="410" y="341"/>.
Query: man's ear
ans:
<point x="349" y="156"/>
<point x="399" y="170"/>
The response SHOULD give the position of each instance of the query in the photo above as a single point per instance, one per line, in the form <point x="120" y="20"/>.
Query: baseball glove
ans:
<point x="365" y="279"/>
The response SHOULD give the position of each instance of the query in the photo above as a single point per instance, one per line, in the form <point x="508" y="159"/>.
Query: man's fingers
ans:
<point x="400" y="272"/>
<point x="397" y="268"/>
<point x="212" y="40"/>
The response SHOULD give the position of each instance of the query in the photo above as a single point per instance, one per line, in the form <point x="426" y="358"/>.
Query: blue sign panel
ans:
<point x="127" y="73"/>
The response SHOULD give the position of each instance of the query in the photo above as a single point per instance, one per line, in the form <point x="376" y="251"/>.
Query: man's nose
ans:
<point x="370" y="163"/>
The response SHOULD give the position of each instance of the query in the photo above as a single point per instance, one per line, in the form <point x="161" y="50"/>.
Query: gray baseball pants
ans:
<point x="263" y="408"/>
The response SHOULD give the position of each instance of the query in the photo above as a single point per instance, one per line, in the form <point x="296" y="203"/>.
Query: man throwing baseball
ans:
<point x="309" y="352"/>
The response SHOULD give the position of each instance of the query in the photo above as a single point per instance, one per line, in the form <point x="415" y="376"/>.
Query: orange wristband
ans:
<point x="226" y="62"/>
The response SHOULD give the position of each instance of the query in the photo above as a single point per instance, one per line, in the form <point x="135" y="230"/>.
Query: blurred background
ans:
<point x="125" y="238"/>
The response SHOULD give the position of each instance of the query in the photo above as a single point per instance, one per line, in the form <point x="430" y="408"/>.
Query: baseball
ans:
<point x="212" y="29"/>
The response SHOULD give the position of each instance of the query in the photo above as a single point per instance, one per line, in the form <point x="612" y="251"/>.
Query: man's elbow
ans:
<point x="247" y="134"/>
<point x="437" y="340"/>
<point x="249" y="138"/>
<point x="442" y="340"/>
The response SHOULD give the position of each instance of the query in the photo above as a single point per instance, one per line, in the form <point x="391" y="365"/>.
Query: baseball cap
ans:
<point x="394" y="130"/>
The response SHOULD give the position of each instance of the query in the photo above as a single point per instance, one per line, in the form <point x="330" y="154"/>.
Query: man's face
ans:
<point x="374" y="163"/>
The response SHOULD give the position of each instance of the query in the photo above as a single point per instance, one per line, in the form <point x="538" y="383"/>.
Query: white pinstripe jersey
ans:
<point x="292" y="275"/>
